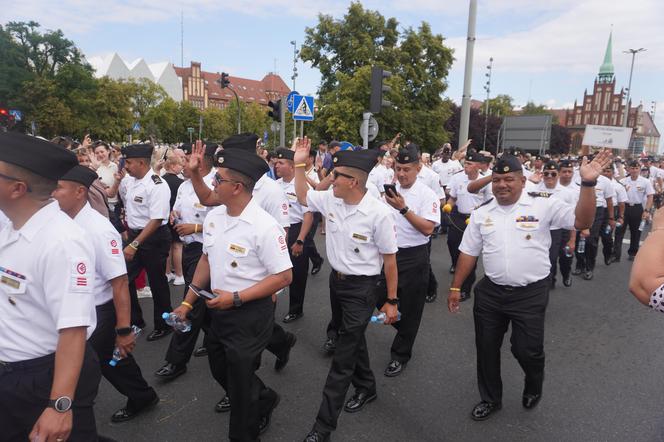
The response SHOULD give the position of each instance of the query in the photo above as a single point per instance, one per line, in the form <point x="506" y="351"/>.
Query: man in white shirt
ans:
<point x="309" y="244"/>
<point x="618" y="214"/>
<point x="446" y="168"/>
<point x="639" y="202"/>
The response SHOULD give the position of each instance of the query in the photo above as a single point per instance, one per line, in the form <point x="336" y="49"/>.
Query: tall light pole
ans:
<point x="487" y="88"/>
<point x="629" y="86"/>
<point x="468" y="75"/>
<point x="293" y="77"/>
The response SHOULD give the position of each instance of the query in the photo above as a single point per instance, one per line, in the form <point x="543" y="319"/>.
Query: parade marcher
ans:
<point x="416" y="214"/>
<point x="146" y="199"/>
<point x="310" y="246"/>
<point x="360" y="237"/>
<point x="639" y="195"/>
<point x="173" y="165"/>
<point x="301" y="220"/>
<point x="3" y="220"/>
<point x="512" y="233"/>
<point x="446" y="168"/>
<point x="463" y="203"/>
<point x="608" y="243"/>
<point x="49" y="375"/>
<point x="245" y="261"/>
<point x="111" y="292"/>
<point x="188" y="217"/>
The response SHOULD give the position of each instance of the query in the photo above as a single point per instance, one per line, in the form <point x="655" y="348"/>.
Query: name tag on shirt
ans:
<point x="237" y="250"/>
<point x="12" y="281"/>
<point x="359" y="237"/>
<point x="138" y="199"/>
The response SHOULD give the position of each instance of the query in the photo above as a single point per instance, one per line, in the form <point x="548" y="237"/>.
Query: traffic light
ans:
<point x="378" y="89"/>
<point x="224" y="81"/>
<point x="275" y="113"/>
<point x="6" y="119"/>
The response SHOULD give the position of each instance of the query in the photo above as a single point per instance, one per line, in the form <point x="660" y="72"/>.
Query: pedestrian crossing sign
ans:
<point x="304" y="108"/>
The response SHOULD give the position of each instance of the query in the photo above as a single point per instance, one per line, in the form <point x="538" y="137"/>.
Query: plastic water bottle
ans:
<point x="581" y="248"/>
<point x="568" y="252"/>
<point x="116" y="352"/>
<point x="607" y="229"/>
<point x="380" y="318"/>
<point x="642" y="226"/>
<point x="618" y="225"/>
<point x="183" y="326"/>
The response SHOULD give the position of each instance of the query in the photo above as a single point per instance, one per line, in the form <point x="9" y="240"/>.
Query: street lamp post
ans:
<point x="487" y="88"/>
<point x="293" y="77"/>
<point x="629" y="86"/>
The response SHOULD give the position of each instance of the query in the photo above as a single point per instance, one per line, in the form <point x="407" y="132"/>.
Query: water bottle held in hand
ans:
<point x="607" y="229"/>
<point x="183" y="326"/>
<point x="568" y="252"/>
<point x="581" y="248"/>
<point x="642" y="226"/>
<point x="380" y="318"/>
<point x="116" y="352"/>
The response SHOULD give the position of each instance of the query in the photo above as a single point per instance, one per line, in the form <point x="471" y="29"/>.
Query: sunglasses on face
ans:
<point x="337" y="174"/>
<point x="219" y="180"/>
<point x="551" y="174"/>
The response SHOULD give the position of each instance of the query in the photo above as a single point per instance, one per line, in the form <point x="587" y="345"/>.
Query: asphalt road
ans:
<point x="604" y="354"/>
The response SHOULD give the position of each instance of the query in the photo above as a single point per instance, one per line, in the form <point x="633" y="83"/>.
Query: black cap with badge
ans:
<point x="408" y="154"/>
<point x="243" y="161"/>
<point x="506" y="164"/>
<point x="80" y="174"/>
<point x="245" y="141"/>
<point x="474" y="156"/>
<point x="137" y="151"/>
<point x="551" y="165"/>
<point x="285" y="154"/>
<point x="365" y="160"/>
<point x="38" y="156"/>
<point x="566" y="163"/>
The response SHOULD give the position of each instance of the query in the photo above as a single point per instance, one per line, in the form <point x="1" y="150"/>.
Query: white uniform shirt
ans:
<point x="527" y="173"/>
<point x="295" y="210"/>
<point x="422" y="202"/>
<point x="46" y="273"/>
<point x="603" y="190"/>
<point x="145" y="199"/>
<point x="312" y="175"/>
<point x="271" y="197"/>
<point x="446" y="170"/>
<point x="560" y="192"/>
<point x="356" y="235"/>
<point x="4" y="221"/>
<point x="245" y="249"/>
<point x="656" y="172"/>
<point x="621" y="192"/>
<point x="378" y="176"/>
<point x="514" y="243"/>
<point x="190" y="208"/>
<point x="466" y="201"/>
<point x="109" y="259"/>
<point x="373" y="190"/>
<point x="638" y="190"/>
<point x="432" y="180"/>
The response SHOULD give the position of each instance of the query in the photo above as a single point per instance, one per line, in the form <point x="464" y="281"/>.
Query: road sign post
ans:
<point x="303" y="108"/>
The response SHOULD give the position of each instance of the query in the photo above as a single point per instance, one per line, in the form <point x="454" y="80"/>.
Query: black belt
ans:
<point x="343" y="277"/>
<point x="516" y="289"/>
<point x="138" y="231"/>
<point x="415" y="250"/>
<point x="635" y="205"/>
<point x="30" y="364"/>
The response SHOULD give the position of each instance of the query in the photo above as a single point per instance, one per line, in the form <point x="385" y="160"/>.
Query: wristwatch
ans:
<point x="392" y="301"/>
<point x="134" y="245"/>
<point x="237" y="301"/>
<point x="299" y="242"/>
<point x="123" y="331"/>
<point x="61" y="404"/>
<point x="404" y="211"/>
<point x="588" y="183"/>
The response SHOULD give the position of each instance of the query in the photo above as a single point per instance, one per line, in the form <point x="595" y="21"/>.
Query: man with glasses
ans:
<point x="361" y="235"/>
<point x="640" y="193"/>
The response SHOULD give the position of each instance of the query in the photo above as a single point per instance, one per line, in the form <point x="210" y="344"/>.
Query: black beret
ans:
<point x="633" y="163"/>
<point x="80" y="174"/>
<point x="408" y="155"/>
<point x="285" y="154"/>
<point x="507" y="164"/>
<point x="242" y="161"/>
<point x="245" y="141"/>
<point x="137" y="151"/>
<point x="566" y="163"/>
<point x="485" y="157"/>
<point x="211" y="149"/>
<point x="551" y="165"/>
<point x="474" y="157"/>
<point x="39" y="156"/>
<point x="376" y="153"/>
<point x="186" y="147"/>
<point x="364" y="160"/>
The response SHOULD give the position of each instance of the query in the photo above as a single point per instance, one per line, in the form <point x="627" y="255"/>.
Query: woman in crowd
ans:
<point x="647" y="279"/>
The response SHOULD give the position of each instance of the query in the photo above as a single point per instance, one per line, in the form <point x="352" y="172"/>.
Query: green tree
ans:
<point x="344" y="51"/>
<point x="501" y="105"/>
<point x="538" y="109"/>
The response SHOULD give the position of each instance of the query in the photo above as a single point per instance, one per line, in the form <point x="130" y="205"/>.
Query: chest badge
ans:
<point x="234" y="264"/>
<point x="138" y="199"/>
<point x="528" y="236"/>
<point x="360" y="237"/>
<point x="488" y="221"/>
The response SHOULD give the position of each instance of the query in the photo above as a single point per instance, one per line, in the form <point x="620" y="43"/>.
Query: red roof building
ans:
<point x="202" y="89"/>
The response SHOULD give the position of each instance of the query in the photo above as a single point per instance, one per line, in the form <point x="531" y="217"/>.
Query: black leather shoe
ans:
<point x="567" y="282"/>
<point x="588" y="275"/>
<point x="577" y="271"/>
<point x="607" y="260"/>
<point x="464" y="296"/>
<point x="126" y="414"/>
<point x="223" y="405"/>
<point x="329" y="346"/>
<point x="171" y="371"/>
<point x="282" y="360"/>
<point x="394" y="368"/>
<point x="452" y="269"/>
<point x="200" y="352"/>
<point x="530" y="401"/>
<point x="358" y="401"/>
<point x="316" y="436"/>
<point x="431" y="298"/>
<point x="264" y="423"/>
<point x="159" y="334"/>
<point x="483" y="410"/>
<point x="317" y="266"/>
<point x="291" y="317"/>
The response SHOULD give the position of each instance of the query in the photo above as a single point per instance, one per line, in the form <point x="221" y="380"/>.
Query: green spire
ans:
<point x="606" y="71"/>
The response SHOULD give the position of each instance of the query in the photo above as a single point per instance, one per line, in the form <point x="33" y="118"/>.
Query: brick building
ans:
<point x="202" y="89"/>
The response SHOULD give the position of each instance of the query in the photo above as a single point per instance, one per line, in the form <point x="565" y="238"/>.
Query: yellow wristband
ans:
<point x="195" y="228"/>
<point x="132" y="246"/>
<point x="454" y="289"/>
<point x="301" y="165"/>
<point x="185" y="303"/>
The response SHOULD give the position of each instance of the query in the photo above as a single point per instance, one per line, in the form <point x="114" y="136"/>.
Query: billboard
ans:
<point x="612" y="137"/>
<point x="527" y="132"/>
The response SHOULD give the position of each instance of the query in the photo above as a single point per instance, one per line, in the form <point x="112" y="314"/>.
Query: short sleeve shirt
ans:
<point x="145" y="199"/>
<point x="272" y="198"/>
<point x="423" y="202"/>
<point x="190" y="209"/>
<point x="638" y="190"/>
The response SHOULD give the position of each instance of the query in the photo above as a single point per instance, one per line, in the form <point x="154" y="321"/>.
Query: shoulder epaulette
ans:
<point x="457" y="172"/>
<point x="540" y="194"/>
<point x="484" y="203"/>
<point x="156" y="179"/>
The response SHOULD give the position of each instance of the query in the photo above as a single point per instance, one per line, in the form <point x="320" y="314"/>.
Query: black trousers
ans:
<point x="432" y="286"/>
<point x="632" y="220"/>
<point x="494" y="309"/>
<point x="298" y="286"/>
<point x="126" y="376"/>
<point x="353" y="299"/>
<point x="237" y="337"/>
<point x="586" y="261"/>
<point x="25" y="389"/>
<point x="310" y="244"/>
<point x="557" y="256"/>
<point x="454" y="237"/>
<point x="182" y="344"/>
<point x="411" y="291"/>
<point x="608" y="242"/>
<point x="151" y="256"/>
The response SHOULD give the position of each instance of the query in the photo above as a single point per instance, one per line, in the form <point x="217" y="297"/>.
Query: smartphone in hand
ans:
<point x="390" y="190"/>
<point x="202" y="293"/>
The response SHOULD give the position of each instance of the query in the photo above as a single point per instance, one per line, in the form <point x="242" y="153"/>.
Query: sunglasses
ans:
<point x="11" y="178"/>
<point x="219" y="180"/>
<point x="551" y="174"/>
<point x="337" y="174"/>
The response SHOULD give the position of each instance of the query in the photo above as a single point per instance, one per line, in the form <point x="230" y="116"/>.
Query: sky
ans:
<point x="545" y="52"/>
